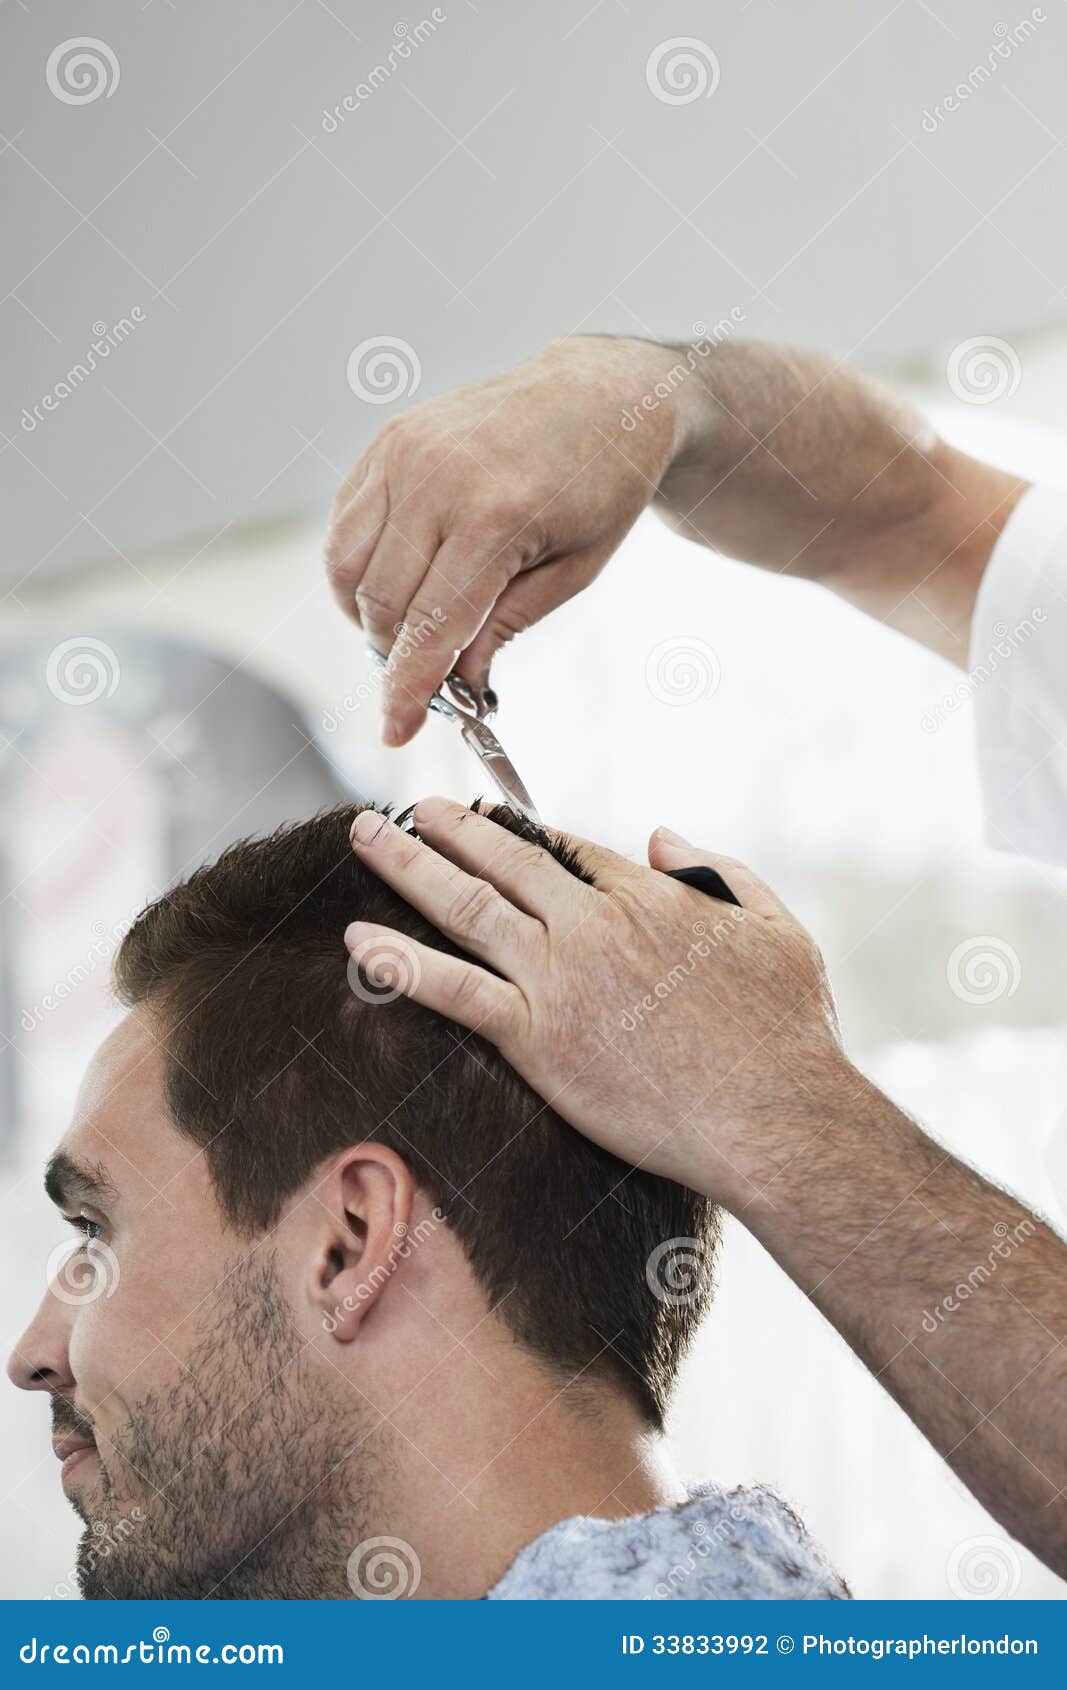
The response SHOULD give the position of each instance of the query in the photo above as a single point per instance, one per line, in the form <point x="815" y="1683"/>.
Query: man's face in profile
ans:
<point x="203" y="1443"/>
<point x="281" y="1337"/>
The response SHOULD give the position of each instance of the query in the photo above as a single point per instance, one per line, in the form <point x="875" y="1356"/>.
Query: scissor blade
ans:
<point x="488" y="749"/>
<point x="481" y="739"/>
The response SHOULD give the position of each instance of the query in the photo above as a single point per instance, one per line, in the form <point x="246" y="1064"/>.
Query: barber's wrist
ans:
<point x="833" y="1175"/>
<point x="651" y="379"/>
<point x="674" y="377"/>
<point x="786" y="1138"/>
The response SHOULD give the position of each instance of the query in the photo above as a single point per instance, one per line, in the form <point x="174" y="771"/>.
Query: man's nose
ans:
<point x="40" y="1361"/>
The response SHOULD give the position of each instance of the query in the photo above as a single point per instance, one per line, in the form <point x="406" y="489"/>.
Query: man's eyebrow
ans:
<point x="67" y="1180"/>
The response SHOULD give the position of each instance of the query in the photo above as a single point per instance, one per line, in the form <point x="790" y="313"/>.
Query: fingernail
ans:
<point x="428" y="809"/>
<point x="671" y="838"/>
<point x="367" y="826"/>
<point x="392" y="732"/>
<point x="353" y="934"/>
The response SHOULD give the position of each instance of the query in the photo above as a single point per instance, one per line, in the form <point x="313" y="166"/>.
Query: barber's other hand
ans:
<point x="473" y="515"/>
<point x="685" y="1035"/>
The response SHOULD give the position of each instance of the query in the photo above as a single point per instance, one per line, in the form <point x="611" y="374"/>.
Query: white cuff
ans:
<point x="1018" y="679"/>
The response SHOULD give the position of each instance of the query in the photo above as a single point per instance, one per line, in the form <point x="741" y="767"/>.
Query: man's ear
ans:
<point x="367" y="1197"/>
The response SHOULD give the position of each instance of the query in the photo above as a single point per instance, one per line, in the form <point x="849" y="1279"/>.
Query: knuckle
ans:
<point x="376" y="609"/>
<point x="430" y="451"/>
<point x="470" y="910"/>
<point x="499" y="516"/>
<point x="509" y="620"/>
<point x="467" y="997"/>
<point x="725" y="864"/>
<point x="508" y="507"/>
<point x="337" y="555"/>
<point x="528" y="857"/>
<point x="405" y="850"/>
<point x="362" y="483"/>
<point x="426" y="615"/>
<point x="347" y="544"/>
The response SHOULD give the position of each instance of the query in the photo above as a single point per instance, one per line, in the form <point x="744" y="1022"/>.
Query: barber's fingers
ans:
<point x="463" y="582"/>
<point x="608" y="869"/>
<point x="451" y="986"/>
<point x="527" y="874"/>
<point x="392" y="576"/>
<point x="524" y="601"/>
<point x="667" y="852"/>
<point x="357" y="524"/>
<point x="467" y="909"/>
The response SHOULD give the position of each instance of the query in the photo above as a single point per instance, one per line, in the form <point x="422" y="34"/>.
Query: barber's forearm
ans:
<point x="785" y="460"/>
<point x="953" y="1295"/>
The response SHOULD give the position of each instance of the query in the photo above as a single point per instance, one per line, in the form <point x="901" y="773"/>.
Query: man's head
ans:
<point x="304" y="1193"/>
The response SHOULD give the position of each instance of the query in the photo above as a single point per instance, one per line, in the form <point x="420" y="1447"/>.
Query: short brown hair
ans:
<point x="274" y="1063"/>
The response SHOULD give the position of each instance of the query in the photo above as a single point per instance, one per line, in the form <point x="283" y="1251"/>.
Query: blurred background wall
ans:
<point x="237" y="240"/>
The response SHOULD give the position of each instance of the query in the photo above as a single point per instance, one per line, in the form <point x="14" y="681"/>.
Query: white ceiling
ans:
<point x="513" y="178"/>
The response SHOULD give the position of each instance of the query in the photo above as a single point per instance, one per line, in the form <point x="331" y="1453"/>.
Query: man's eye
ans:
<point x="91" y="1229"/>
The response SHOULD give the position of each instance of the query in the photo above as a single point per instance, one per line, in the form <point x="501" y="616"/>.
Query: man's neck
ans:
<point x="473" y="1488"/>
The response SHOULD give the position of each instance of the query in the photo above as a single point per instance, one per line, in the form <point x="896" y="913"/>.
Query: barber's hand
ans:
<point x="685" y="1035"/>
<point x="473" y="515"/>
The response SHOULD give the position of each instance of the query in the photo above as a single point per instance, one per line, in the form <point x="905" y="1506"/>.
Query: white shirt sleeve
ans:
<point x="1018" y="679"/>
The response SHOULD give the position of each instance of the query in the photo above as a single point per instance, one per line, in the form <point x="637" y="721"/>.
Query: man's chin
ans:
<point x="114" y="1559"/>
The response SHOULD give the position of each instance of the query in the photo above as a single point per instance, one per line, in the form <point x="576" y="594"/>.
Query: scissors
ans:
<point x="471" y="710"/>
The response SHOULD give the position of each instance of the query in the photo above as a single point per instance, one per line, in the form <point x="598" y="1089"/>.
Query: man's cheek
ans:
<point x="115" y="1359"/>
